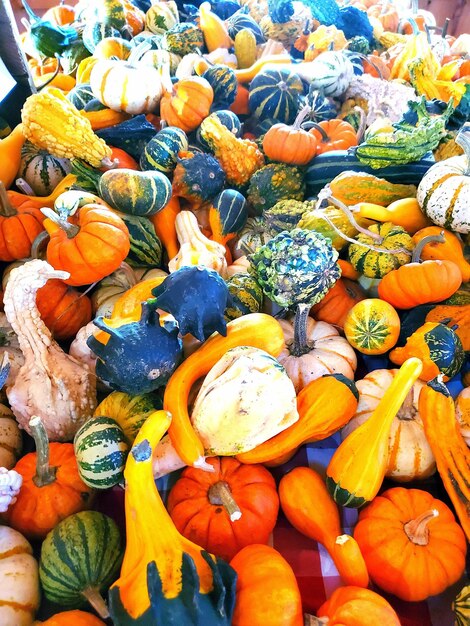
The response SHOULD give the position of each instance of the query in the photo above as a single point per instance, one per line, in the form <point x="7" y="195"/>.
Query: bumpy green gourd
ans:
<point x="275" y="182"/>
<point x="285" y="215"/>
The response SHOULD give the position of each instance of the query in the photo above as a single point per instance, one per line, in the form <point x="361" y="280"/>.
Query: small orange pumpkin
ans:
<point x="71" y="618"/>
<point x="187" y="104"/>
<point x="290" y="144"/>
<point x="334" y="134"/>
<point x="225" y="510"/>
<point x="60" y="15"/>
<point x="445" y="247"/>
<point x="411" y="543"/>
<point x="21" y="221"/>
<point x="355" y="606"/>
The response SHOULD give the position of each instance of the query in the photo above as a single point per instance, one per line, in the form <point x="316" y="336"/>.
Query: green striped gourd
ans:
<point x="461" y="607"/>
<point x="101" y="450"/>
<point x="146" y="248"/>
<point x="224" y="83"/>
<point x="183" y="39"/>
<point x="135" y="193"/>
<point x="228" y="119"/>
<point x="80" y="95"/>
<point x="80" y="558"/>
<point x="276" y="93"/>
<point x="161" y="16"/>
<point x="242" y="20"/>
<point x="228" y="213"/>
<point x="41" y="170"/>
<point x="246" y="296"/>
<point x="130" y="412"/>
<point x="331" y="73"/>
<point x="94" y="32"/>
<point x="161" y="152"/>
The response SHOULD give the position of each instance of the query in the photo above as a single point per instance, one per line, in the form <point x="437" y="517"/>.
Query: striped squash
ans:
<point x="444" y="192"/>
<point x="94" y="32"/>
<point x="161" y="152"/>
<point x="276" y="93"/>
<point x="161" y="16"/>
<point x="133" y="192"/>
<point x="228" y="213"/>
<point x="41" y="170"/>
<point x="146" y="248"/>
<point x="160" y="59"/>
<point x="375" y="264"/>
<point x="228" y="119"/>
<point x="80" y="559"/>
<point x="246" y="296"/>
<point x="322" y="108"/>
<point x="331" y="72"/>
<point x="101" y="450"/>
<point x="240" y="20"/>
<point x="130" y="412"/>
<point x="224" y="84"/>
<point x="80" y="95"/>
<point x="461" y="607"/>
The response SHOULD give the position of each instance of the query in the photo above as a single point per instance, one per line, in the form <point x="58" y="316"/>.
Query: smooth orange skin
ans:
<point x="341" y="136"/>
<point x="63" y="310"/>
<point x="266" y="589"/>
<point x="72" y="618"/>
<point x="354" y="606"/>
<point x="451" y="249"/>
<point x="339" y="300"/>
<point x="188" y="104"/>
<point x="288" y="144"/>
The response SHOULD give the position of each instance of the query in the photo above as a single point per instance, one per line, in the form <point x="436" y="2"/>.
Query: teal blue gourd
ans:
<point x="198" y="177"/>
<point x="276" y="93"/>
<point x="161" y="152"/>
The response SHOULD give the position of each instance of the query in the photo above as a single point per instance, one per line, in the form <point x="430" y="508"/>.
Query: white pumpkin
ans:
<point x="11" y="441"/>
<point x="444" y="191"/>
<point x="410" y="456"/>
<point x="245" y="399"/>
<point x="122" y="86"/>
<point x="462" y="413"/>
<point x="19" y="579"/>
<point x="161" y="17"/>
<point x="159" y="58"/>
<point x="321" y="351"/>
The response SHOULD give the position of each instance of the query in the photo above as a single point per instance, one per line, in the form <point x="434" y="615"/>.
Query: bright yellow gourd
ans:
<point x="357" y="469"/>
<point x="213" y="28"/>
<point x="405" y="213"/>
<point x="10" y="155"/>
<point x="245" y="48"/>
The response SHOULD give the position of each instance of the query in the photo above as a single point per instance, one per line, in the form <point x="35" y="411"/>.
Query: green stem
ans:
<point x="416" y="257"/>
<point x="45" y="474"/>
<point x="300" y="345"/>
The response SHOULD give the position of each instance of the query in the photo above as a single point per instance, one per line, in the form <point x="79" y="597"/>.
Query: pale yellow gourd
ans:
<point x="213" y="28"/>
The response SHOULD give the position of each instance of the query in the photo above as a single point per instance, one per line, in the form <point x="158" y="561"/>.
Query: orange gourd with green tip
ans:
<point x="310" y="509"/>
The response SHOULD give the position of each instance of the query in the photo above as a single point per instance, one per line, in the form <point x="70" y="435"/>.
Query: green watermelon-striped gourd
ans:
<point x="135" y="193"/>
<point x="276" y="93"/>
<point x="145" y="247"/>
<point x="331" y="73"/>
<point x="80" y="559"/>
<point x="101" y="450"/>
<point x="240" y="20"/>
<point x="41" y="170"/>
<point x="161" y="152"/>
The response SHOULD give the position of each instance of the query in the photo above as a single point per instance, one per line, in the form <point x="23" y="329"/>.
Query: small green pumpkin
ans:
<point x="198" y="177"/>
<point x="376" y="264"/>
<point x="80" y="559"/>
<point x="161" y="152"/>
<point x="276" y="93"/>
<point x="80" y="95"/>
<point x="246" y="296"/>
<point x="224" y="83"/>
<point x="183" y="39"/>
<point x="146" y="248"/>
<point x="285" y="215"/>
<point x="275" y="182"/>
<point x="101" y="450"/>
<point x="41" y="170"/>
<point x="135" y="193"/>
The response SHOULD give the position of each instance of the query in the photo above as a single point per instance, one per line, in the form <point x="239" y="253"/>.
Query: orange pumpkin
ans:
<point x="411" y="543"/>
<point x="61" y="15"/>
<point x="38" y="68"/>
<point x="225" y="510"/>
<point x="121" y="159"/>
<point x="187" y="104"/>
<point x="386" y="13"/>
<point x="290" y="144"/>
<point x="334" y="134"/>
<point x="337" y="303"/>
<point x="64" y="310"/>
<point x="89" y="245"/>
<point x="445" y="247"/>
<point x="266" y="586"/>
<point x="71" y="618"/>
<point x="52" y="488"/>
<point x="21" y="221"/>
<point x="355" y="606"/>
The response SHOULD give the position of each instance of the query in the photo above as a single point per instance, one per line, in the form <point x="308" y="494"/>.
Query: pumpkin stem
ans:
<point x="445" y="28"/>
<point x="38" y="247"/>
<point x="220" y="493"/>
<point x="362" y="123"/>
<point x="311" y="620"/>
<point x="407" y="412"/>
<point x="71" y="230"/>
<point x="463" y="139"/>
<point x="417" y="530"/>
<point x="300" y="117"/>
<point x="45" y="474"/>
<point x="24" y="187"/>
<point x="95" y="599"/>
<point x="300" y="345"/>
<point x="6" y="209"/>
<point x="416" y="257"/>
<point x="324" y="136"/>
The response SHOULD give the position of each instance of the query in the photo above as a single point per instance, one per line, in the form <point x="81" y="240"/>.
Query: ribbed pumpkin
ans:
<point x="409" y="455"/>
<point x="337" y="303"/>
<point x="41" y="170"/>
<point x="331" y="72"/>
<point x="161" y="152"/>
<point x="71" y="577"/>
<point x="225" y="510"/>
<point x="188" y="103"/>
<point x="101" y="450"/>
<point x="276" y="93"/>
<point x="290" y="144"/>
<point x="69" y="618"/>
<point x="20" y="224"/>
<point x="113" y="47"/>
<point x="64" y="310"/>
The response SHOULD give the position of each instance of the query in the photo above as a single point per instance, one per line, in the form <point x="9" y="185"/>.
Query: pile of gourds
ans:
<point x="229" y="230"/>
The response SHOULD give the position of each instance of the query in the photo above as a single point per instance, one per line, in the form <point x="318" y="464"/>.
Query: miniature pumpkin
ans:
<point x="77" y="618"/>
<point x="372" y="326"/>
<point x="19" y="579"/>
<point x="338" y="301"/>
<point x="450" y="249"/>
<point x="20" y="223"/>
<point x="290" y="144"/>
<point x="409" y="454"/>
<point x="266" y="585"/>
<point x="333" y="134"/>
<point x="354" y="606"/>
<point x="52" y="488"/>
<point x="438" y="347"/>
<point x="227" y="509"/>
<point x="187" y="104"/>
<point x="408" y="531"/>
<point x="313" y="349"/>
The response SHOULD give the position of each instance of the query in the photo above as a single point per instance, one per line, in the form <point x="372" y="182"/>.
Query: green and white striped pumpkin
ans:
<point x="80" y="95"/>
<point x="135" y="193"/>
<point x="161" y="16"/>
<point x="331" y="73"/>
<point x="146" y="248"/>
<point x="101" y="450"/>
<point x="41" y="170"/>
<point x="80" y="557"/>
<point x="276" y="93"/>
<point x="161" y="152"/>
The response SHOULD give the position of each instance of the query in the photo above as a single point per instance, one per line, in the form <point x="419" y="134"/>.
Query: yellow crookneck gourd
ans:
<point x="430" y="86"/>
<point x="164" y="575"/>
<point x="213" y="28"/>
<point x="405" y="213"/>
<point x="10" y="155"/>
<point x="358" y="466"/>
